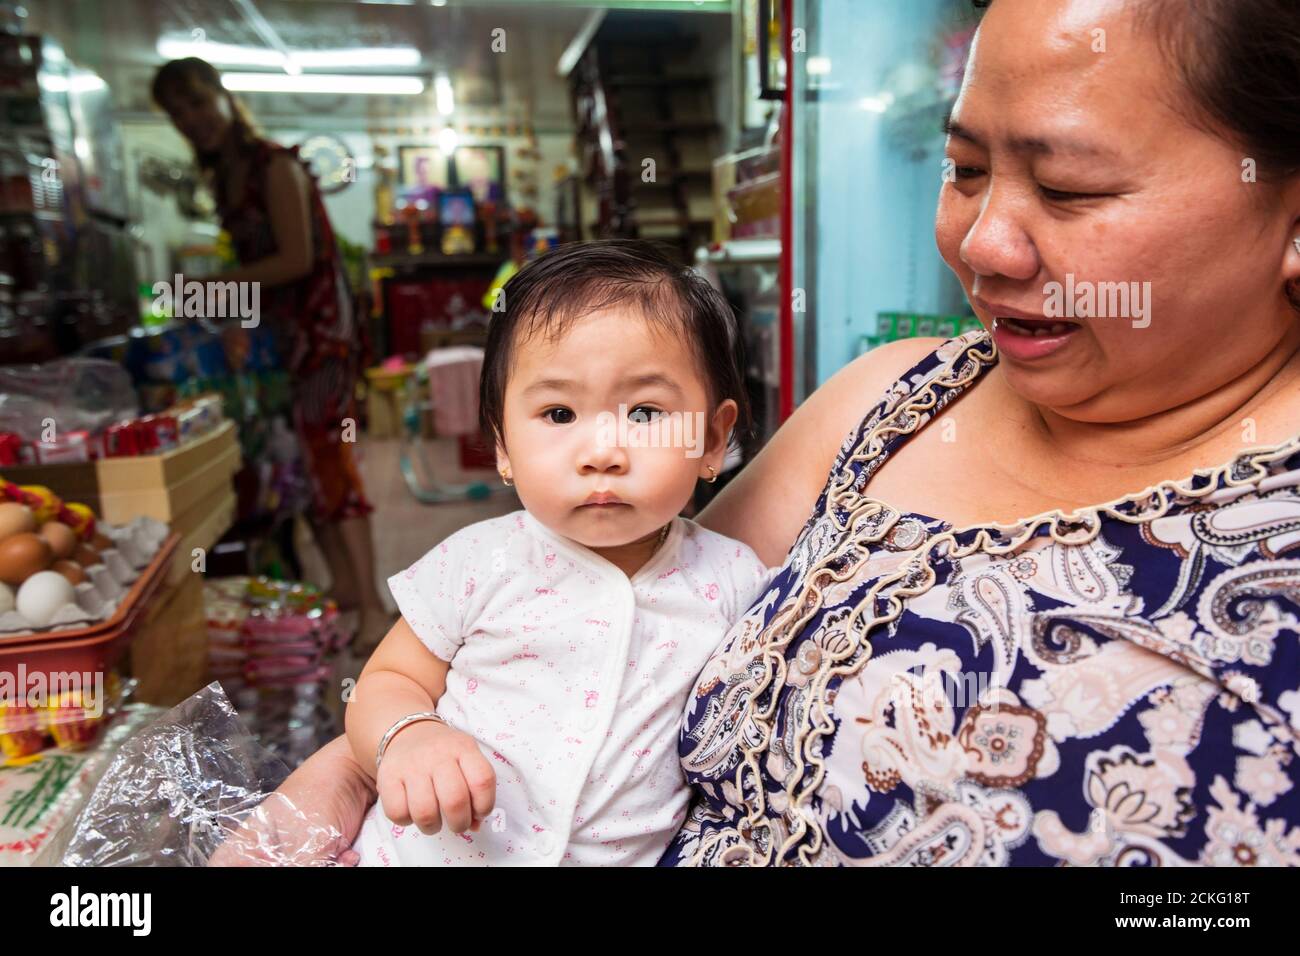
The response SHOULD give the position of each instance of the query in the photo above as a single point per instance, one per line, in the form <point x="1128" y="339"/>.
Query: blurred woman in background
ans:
<point x="270" y="205"/>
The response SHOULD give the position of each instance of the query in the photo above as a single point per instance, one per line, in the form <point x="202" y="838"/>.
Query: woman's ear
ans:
<point x="1291" y="257"/>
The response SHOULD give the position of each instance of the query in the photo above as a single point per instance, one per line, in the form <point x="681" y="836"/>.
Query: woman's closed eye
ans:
<point x="1069" y="195"/>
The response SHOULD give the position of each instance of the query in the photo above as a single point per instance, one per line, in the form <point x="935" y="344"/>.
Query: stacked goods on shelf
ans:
<point x="190" y="487"/>
<point x="69" y="719"/>
<point x="177" y="467"/>
<point x="187" y="481"/>
<point x="165" y="431"/>
<point x="240" y="367"/>
<point x="270" y="645"/>
<point x="747" y="195"/>
<point x="891" y="326"/>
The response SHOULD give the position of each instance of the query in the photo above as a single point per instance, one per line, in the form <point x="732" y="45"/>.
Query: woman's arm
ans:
<point x="312" y="819"/>
<point x="769" y="501"/>
<point x="288" y="195"/>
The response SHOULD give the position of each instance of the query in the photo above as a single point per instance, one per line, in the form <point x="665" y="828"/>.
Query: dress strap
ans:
<point x="911" y="403"/>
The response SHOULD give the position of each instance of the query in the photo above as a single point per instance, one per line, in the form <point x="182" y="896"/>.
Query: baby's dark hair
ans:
<point x="579" y="278"/>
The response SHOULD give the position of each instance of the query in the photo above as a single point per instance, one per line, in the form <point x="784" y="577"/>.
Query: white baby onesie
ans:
<point x="572" y="677"/>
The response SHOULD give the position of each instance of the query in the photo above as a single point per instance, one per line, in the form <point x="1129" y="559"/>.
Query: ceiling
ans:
<point x="118" y="40"/>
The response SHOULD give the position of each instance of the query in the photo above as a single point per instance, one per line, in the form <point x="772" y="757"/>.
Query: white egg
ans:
<point x="42" y="595"/>
<point x="6" y="598"/>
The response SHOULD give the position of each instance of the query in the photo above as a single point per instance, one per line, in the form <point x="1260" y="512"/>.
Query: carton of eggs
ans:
<point x="52" y="577"/>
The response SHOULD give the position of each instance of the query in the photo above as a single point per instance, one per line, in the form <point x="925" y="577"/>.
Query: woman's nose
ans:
<point x="996" y="243"/>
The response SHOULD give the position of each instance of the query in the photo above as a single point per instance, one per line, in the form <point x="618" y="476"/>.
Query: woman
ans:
<point x="934" y="678"/>
<point x="272" y="209"/>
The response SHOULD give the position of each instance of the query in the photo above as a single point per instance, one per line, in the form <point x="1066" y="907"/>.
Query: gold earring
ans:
<point x="713" y="474"/>
<point x="505" y="479"/>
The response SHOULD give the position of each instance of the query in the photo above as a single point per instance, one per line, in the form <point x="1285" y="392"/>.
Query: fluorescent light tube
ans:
<point x="443" y="95"/>
<point x="229" y="54"/>
<point x="322" y="83"/>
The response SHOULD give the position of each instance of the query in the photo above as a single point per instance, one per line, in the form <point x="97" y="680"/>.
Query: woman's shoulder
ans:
<point x="877" y="369"/>
<point x="909" y="361"/>
<point x="876" y="381"/>
<point x="783" y="481"/>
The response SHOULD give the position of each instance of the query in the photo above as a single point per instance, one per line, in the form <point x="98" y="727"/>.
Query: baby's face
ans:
<point x="566" y="443"/>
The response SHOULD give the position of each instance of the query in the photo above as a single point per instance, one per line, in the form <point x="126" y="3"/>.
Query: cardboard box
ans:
<point x="166" y="486"/>
<point x="169" y="653"/>
<point x="201" y="527"/>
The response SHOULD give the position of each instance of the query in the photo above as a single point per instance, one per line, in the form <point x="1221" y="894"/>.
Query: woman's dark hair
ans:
<point x="579" y="278"/>
<point x="178" y="77"/>
<point x="1239" y="62"/>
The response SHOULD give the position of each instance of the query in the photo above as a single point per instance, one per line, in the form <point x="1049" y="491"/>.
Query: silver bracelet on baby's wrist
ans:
<point x="404" y="722"/>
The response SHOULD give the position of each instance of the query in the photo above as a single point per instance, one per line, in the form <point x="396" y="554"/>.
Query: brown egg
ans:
<point x="70" y="570"/>
<point x="86" y="556"/>
<point x="15" y="518"/>
<point x="101" y="541"/>
<point x="22" y="555"/>
<point x="62" y="539"/>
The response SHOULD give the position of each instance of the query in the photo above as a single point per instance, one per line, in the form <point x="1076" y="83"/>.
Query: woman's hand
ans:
<point x="432" y="774"/>
<point x="311" y="820"/>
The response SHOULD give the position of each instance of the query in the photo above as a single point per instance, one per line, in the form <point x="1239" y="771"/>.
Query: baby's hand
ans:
<point x="433" y="774"/>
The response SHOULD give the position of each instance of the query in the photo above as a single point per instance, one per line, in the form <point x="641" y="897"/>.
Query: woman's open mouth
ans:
<point x="1028" y="339"/>
<point x="1038" y="327"/>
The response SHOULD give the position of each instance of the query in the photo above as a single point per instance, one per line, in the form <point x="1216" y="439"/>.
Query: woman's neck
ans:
<point x="230" y="152"/>
<point x="1241" y="411"/>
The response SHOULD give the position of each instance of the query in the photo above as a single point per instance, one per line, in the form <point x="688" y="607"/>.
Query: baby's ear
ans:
<point x="724" y="420"/>
<point x="503" y="460"/>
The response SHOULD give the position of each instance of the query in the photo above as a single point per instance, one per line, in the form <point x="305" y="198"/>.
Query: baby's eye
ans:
<point x="643" y="414"/>
<point x="558" y="416"/>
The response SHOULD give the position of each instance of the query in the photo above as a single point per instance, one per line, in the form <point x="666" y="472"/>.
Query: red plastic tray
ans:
<point x="93" y="648"/>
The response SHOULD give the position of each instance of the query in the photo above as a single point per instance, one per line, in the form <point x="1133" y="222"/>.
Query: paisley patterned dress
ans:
<point x="1119" y="686"/>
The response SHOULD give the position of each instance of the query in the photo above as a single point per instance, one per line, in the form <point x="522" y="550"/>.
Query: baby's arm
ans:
<point x="431" y="773"/>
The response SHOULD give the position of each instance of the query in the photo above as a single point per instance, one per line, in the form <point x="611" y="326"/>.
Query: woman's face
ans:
<point x="201" y="114"/>
<point x="1072" y="165"/>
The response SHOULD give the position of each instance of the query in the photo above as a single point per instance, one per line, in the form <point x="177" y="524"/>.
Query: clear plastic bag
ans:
<point x="191" y="786"/>
<point x="75" y="393"/>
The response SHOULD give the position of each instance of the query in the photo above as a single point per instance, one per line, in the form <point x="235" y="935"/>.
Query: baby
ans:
<point x="525" y="708"/>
